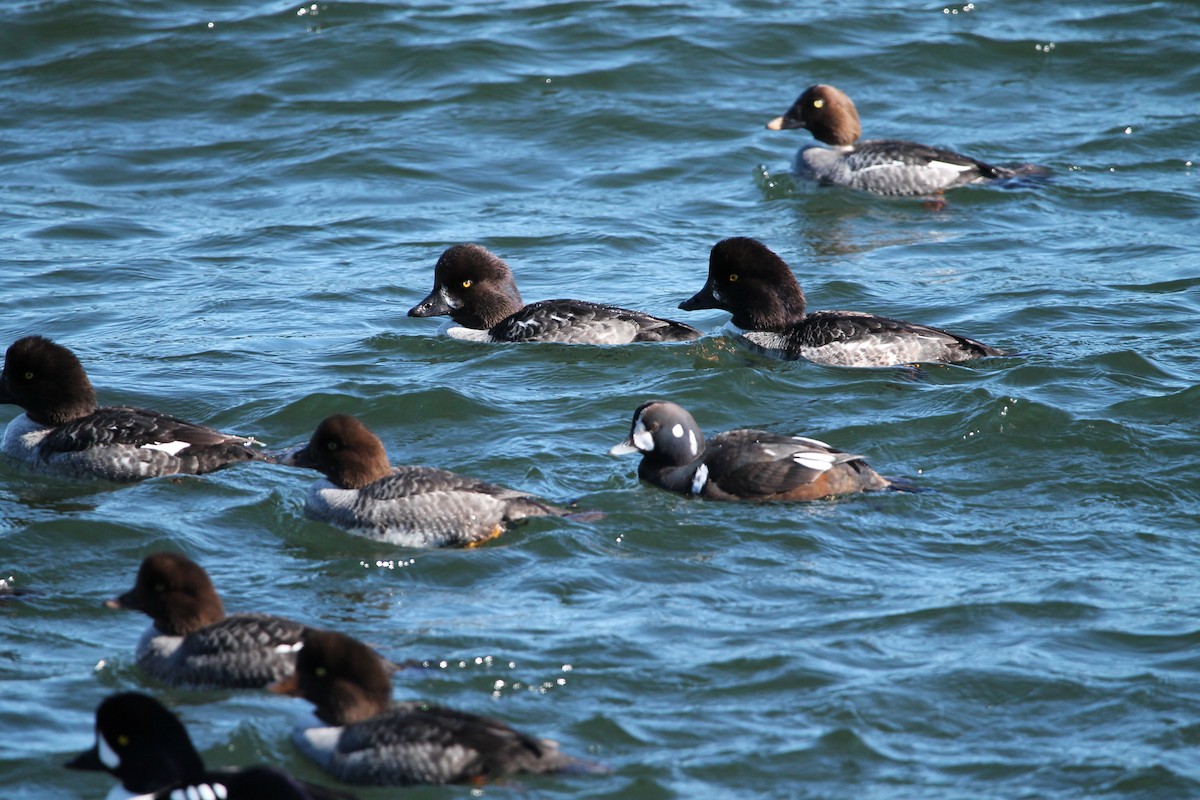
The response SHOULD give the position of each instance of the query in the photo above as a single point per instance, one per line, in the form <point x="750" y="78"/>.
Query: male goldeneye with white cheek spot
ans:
<point x="476" y="289"/>
<point x="64" y="432"/>
<point x="754" y="284"/>
<point x="880" y="166"/>
<point x="742" y="464"/>
<point x="146" y="747"/>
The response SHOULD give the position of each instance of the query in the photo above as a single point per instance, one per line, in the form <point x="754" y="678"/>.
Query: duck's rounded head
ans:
<point x="663" y="432"/>
<point x="827" y="112"/>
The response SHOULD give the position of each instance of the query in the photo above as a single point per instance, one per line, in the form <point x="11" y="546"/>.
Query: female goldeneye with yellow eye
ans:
<point x="881" y="166"/>
<point x="147" y="748"/>
<point x="476" y="289"/>
<point x="754" y="284"/>
<point x="409" y="506"/>
<point x="63" y="431"/>
<point x="191" y="643"/>
<point x="741" y="464"/>
<point x="374" y="741"/>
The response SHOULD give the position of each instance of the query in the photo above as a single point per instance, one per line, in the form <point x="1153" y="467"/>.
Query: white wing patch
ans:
<point x="811" y="442"/>
<point x="699" y="479"/>
<point x="284" y="649"/>
<point x="815" y="461"/>
<point x="170" y="448"/>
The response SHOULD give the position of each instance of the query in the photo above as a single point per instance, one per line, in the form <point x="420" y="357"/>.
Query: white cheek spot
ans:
<point x="284" y="649"/>
<point x="448" y="300"/>
<point x="699" y="479"/>
<point x="677" y="431"/>
<point x="642" y="438"/>
<point x="170" y="448"/>
<point x="693" y="443"/>
<point x="108" y="756"/>
<point x="814" y="461"/>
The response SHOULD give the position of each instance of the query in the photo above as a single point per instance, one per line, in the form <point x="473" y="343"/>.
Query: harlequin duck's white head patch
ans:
<point x="640" y="441"/>
<point x="677" y="431"/>
<point x="642" y="438"/>
<point x="694" y="445"/>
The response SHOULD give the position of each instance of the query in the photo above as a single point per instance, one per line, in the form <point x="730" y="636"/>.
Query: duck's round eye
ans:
<point x="733" y="277"/>
<point x="122" y="741"/>
<point x="818" y="103"/>
<point x="332" y="445"/>
<point x="320" y="672"/>
<point x="467" y="283"/>
<point x="28" y="376"/>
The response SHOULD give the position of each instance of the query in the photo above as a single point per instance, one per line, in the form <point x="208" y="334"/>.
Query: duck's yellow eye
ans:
<point x="28" y="376"/>
<point x="818" y="103"/>
<point x="467" y="284"/>
<point x="733" y="277"/>
<point x="122" y="741"/>
<point x="320" y="672"/>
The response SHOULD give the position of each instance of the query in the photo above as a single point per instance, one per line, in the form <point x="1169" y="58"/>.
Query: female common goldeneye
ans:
<point x="881" y="166"/>
<point x="408" y="506"/>
<point x="741" y="464"/>
<point x="373" y="741"/>
<point x="191" y="643"/>
<point x="64" y="432"/>
<point x="476" y="289"/>
<point x="754" y="284"/>
<point x="147" y="748"/>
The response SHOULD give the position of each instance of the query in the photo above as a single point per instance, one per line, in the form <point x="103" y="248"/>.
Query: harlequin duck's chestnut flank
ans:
<point x="191" y="643"/>
<point x="754" y="284"/>
<point x="880" y="166"/>
<point x="741" y="464"/>
<point x="476" y="289"/>
<point x="408" y="506"/>
<point x="373" y="741"/>
<point x="64" y="432"/>
<point x="149" y="751"/>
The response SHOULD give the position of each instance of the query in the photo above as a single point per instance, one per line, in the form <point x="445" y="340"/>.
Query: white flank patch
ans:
<point x="692" y="441"/>
<point x="677" y="431"/>
<point x="642" y="438"/>
<point x="170" y="448"/>
<point x="699" y="479"/>
<point x="950" y="167"/>
<point x="108" y="756"/>
<point x="284" y="649"/>
<point x="817" y="461"/>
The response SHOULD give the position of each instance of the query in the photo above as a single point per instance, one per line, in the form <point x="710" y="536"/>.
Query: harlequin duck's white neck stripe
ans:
<point x="699" y="479"/>
<point x="108" y="756"/>
<point x="642" y="437"/>
<point x="170" y="448"/>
